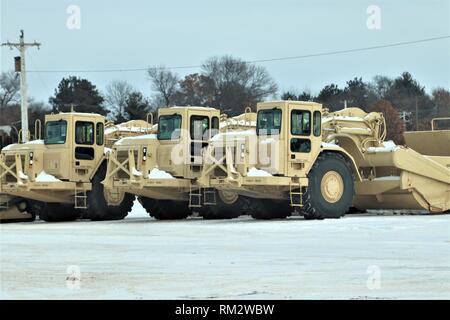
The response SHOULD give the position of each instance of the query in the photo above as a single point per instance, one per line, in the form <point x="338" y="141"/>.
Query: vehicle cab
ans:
<point x="74" y="145"/>
<point x="289" y="136"/>
<point x="182" y="134"/>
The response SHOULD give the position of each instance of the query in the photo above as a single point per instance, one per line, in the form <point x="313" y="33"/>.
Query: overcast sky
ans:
<point x="137" y="34"/>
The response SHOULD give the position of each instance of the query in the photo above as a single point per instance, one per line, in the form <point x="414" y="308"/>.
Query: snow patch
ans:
<point x="34" y="142"/>
<point x="329" y="145"/>
<point x="343" y="118"/>
<point x="387" y="178"/>
<point x="45" y="177"/>
<point x="143" y="137"/>
<point x="388" y="146"/>
<point x="23" y="176"/>
<point x="136" y="172"/>
<point x="159" y="174"/>
<point x="253" y="172"/>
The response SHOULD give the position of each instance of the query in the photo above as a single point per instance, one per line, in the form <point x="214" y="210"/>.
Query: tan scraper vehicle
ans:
<point x="302" y="157"/>
<point x="163" y="168"/>
<point x="59" y="177"/>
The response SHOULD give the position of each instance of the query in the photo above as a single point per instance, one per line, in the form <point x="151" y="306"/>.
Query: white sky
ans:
<point x="138" y="33"/>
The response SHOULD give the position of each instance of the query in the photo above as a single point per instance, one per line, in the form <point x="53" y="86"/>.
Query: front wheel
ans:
<point x="165" y="209"/>
<point x="330" y="189"/>
<point x="55" y="212"/>
<point x="98" y="206"/>
<point x="267" y="209"/>
<point x="229" y="205"/>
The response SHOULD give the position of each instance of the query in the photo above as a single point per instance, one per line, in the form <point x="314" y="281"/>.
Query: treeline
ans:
<point x="230" y="84"/>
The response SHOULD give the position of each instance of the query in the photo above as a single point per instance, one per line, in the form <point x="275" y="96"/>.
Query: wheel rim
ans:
<point x="332" y="186"/>
<point x="113" y="196"/>
<point x="228" y="197"/>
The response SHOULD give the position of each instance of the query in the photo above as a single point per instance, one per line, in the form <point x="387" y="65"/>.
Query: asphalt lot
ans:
<point x="368" y="256"/>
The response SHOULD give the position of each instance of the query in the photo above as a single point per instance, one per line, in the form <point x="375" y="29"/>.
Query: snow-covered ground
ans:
<point x="366" y="256"/>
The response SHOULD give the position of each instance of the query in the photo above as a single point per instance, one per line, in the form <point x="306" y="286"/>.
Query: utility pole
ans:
<point x="22" y="46"/>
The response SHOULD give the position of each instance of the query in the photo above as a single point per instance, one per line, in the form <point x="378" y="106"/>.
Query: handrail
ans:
<point x="150" y="114"/>
<point x="38" y="133"/>
<point x="438" y="119"/>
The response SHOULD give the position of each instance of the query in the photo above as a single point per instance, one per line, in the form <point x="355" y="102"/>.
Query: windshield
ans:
<point x="169" y="127"/>
<point x="55" y="132"/>
<point x="269" y="122"/>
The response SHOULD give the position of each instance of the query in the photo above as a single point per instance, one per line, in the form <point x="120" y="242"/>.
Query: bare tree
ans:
<point x="165" y="83"/>
<point x="117" y="93"/>
<point x="237" y="84"/>
<point x="9" y="88"/>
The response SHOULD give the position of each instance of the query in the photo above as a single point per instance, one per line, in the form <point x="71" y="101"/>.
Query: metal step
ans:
<point x="80" y="198"/>
<point x="296" y="197"/>
<point x="195" y="197"/>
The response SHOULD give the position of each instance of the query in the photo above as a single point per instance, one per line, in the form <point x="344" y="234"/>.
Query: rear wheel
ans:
<point x="330" y="189"/>
<point x="263" y="209"/>
<point x="166" y="209"/>
<point x="55" y="212"/>
<point x="98" y="207"/>
<point x="229" y="205"/>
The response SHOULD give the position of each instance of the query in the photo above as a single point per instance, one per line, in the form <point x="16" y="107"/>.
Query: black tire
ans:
<point x="98" y="208"/>
<point x="354" y="210"/>
<point x="262" y="209"/>
<point x="315" y="204"/>
<point x="55" y="212"/>
<point x="165" y="209"/>
<point x="224" y="210"/>
<point x="22" y="205"/>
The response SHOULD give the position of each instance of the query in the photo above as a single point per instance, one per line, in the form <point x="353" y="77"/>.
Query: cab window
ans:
<point x="301" y="122"/>
<point x="317" y="123"/>
<point x="99" y="134"/>
<point x="84" y="133"/>
<point x="215" y="126"/>
<point x="269" y="122"/>
<point x="199" y="127"/>
<point x="55" y="132"/>
<point x="169" y="127"/>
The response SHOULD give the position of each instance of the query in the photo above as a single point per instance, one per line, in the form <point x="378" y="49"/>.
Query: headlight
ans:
<point x="144" y="153"/>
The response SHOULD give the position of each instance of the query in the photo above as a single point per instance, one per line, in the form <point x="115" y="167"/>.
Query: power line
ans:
<point x="321" y="54"/>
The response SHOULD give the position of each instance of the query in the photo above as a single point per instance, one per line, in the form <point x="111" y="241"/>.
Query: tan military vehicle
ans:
<point x="59" y="177"/>
<point x="321" y="163"/>
<point x="163" y="168"/>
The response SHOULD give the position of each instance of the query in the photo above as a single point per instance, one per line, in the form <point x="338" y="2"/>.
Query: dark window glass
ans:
<point x="300" y="145"/>
<point x="269" y="122"/>
<point x="317" y="123"/>
<point x="199" y="127"/>
<point x="215" y="126"/>
<point x="169" y="127"/>
<point x="84" y="153"/>
<point x="55" y="132"/>
<point x="301" y="122"/>
<point x="84" y="133"/>
<point x="100" y="134"/>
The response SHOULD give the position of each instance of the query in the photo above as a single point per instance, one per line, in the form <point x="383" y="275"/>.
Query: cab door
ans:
<point x="304" y="139"/>
<point x="87" y="148"/>
<point x="271" y="140"/>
